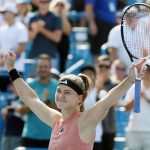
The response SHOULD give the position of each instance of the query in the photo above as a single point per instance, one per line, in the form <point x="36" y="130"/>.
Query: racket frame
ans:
<point x="137" y="80"/>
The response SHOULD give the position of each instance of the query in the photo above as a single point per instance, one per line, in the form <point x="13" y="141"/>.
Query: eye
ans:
<point x="67" y="93"/>
<point x="58" y="91"/>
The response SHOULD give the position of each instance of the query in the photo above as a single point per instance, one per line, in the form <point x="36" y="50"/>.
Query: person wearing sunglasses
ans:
<point x="104" y="83"/>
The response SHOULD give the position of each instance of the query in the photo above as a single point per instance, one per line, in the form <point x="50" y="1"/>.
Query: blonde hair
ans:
<point x="82" y="81"/>
<point x="54" y="2"/>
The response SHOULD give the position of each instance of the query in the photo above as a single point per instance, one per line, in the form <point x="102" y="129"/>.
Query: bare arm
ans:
<point x="94" y="115"/>
<point x="66" y="24"/>
<point x="28" y="95"/>
<point x="30" y="98"/>
<point x="113" y="53"/>
<point x="129" y="105"/>
<point x="22" y="110"/>
<point x="91" y="18"/>
<point x="32" y="34"/>
<point x="98" y="112"/>
<point x="20" y="49"/>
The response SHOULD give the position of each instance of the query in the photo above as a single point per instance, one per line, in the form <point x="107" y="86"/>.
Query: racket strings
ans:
<point x="136" y="30"/>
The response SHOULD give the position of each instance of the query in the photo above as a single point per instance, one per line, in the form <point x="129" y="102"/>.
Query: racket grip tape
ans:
<point x="137" y="96"/>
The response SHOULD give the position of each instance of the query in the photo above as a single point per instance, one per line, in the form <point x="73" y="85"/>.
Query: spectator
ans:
<point x="61" y="7"/>
<point x="24" y="11"/>
<point x="138" y="130"/>
<point x="36" y="133"/>
<point x="90" y="101"/>
<point x="118" y="71"/>
<point x="104" y="83"/>
<point x="45" y="30"/>
<point x="13" y="36"/>
<point x="116" y="48"/>
<point x="102" y="17"/>
<point x="118" y="74"/>
<point x="13" y="121"/>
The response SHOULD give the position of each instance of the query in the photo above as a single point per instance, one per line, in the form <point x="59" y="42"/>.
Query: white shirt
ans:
<point x="139" y="121"/>
<point x="88" y="103"/>
<point x="115" y="41"/>
<point x="10" y="37"/>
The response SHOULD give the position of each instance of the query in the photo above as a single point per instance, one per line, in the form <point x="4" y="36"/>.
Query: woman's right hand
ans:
<point x="9" y="60"/>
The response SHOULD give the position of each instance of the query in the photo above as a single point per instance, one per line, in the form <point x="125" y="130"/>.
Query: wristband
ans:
<point x="14" y="74"/>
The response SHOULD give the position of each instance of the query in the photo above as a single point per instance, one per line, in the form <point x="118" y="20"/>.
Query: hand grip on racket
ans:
<point x="135" y="34"/>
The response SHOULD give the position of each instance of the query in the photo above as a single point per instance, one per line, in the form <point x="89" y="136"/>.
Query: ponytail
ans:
<point x="87" y="87"/>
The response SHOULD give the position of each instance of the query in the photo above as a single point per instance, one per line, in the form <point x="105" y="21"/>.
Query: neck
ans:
<point x="68" y="113"/>
<point x="43" y="11"/>
<point x="45" y="80"/>
<point x="10" y="23"/>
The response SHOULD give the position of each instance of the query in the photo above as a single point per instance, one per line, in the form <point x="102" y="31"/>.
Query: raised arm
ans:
<point x="28" y="95"/>
<point x="98" y="112"/>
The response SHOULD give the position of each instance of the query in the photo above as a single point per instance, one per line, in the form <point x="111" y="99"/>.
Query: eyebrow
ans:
<point x="64" y="90"/>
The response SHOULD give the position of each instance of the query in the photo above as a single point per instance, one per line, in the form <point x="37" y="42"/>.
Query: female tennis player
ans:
<point x="72" y="129"/>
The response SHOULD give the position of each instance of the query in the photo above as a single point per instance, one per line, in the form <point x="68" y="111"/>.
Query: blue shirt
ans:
<point x="104" y="10"/>
<point x="34" y="128"/>
<point x="42" y="44"/>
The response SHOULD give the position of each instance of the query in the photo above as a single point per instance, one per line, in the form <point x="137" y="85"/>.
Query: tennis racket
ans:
<point x="135" y="33"/>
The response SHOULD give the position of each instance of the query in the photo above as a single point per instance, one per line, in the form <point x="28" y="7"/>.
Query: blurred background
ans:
<point x="52" y="38"/>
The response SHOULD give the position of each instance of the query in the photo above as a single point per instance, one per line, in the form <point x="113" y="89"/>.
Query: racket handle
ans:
<point x="137" y="96"/>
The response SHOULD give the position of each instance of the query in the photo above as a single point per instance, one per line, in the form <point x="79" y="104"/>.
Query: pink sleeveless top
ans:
<point x="65" y="135"/>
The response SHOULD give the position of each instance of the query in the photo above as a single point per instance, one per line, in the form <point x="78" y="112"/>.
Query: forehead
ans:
<point x="43" y="61"/>
<point x="65" y="87"/>
<point x="104" y="62"/>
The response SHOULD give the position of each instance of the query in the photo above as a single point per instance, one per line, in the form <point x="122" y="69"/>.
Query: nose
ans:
<point x="62" y="95"/>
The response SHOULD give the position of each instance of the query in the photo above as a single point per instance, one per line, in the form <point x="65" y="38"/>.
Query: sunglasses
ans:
<point x="104" y="66"/>
<point x="120" y="68"/>
<point x="45" y="1"/>
<point x="60" y="4"/>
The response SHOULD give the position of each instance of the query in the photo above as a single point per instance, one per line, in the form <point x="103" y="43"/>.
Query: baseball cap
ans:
<point x="10" y="7"/>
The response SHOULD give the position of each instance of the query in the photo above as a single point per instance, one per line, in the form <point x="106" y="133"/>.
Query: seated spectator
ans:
<point x="14" y="121"/>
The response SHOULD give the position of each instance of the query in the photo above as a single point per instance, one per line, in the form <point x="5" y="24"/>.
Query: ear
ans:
<point x="80" y="100"/>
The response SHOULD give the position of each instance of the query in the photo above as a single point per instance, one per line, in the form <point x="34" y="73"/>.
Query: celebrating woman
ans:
<point x="72" y="129"/>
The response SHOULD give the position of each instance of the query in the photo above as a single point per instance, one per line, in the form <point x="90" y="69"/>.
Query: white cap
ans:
<point x="11" y="7"/>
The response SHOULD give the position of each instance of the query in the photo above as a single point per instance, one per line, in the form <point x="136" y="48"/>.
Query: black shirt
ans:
<point x="14" y="123"/>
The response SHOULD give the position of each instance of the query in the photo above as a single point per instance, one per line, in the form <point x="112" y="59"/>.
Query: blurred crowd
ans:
<point x="41" y="31"/>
